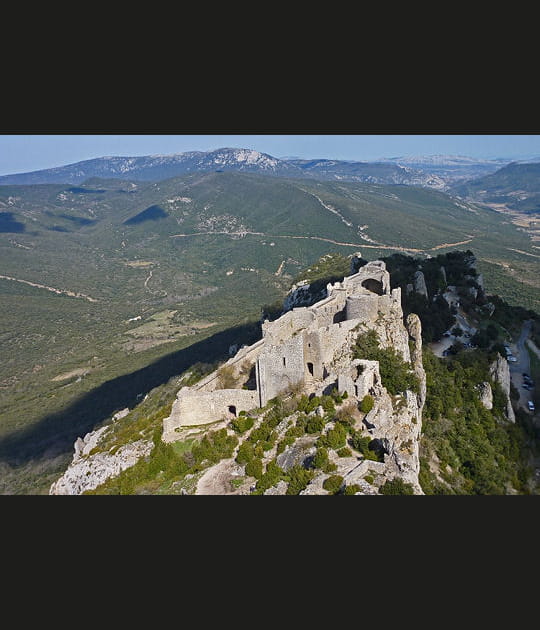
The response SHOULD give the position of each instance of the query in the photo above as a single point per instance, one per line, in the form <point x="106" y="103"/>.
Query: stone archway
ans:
<point x="373" y="285"/>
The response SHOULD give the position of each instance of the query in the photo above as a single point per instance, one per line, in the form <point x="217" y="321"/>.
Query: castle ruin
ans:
<point x="307" y="348"/>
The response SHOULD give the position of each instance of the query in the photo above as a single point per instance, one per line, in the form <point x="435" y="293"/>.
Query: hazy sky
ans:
<point x="20" y="153"/>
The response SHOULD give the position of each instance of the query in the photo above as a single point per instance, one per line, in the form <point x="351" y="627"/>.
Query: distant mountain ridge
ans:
<point x="160" y="167"/>
<point x="517" y="186"/>
<point x="439" y="172"/>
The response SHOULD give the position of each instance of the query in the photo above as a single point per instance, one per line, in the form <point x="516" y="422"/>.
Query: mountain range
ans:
<point x="438" y="172"/>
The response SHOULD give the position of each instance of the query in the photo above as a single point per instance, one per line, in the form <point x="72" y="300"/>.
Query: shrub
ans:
<point x="245" y="453"/>
<point x="333" y="484"/>
<point x="214" y="446"/>
<point x="315" y="424"/>
<point x="254" y="468"/>
<point x="287" y="441"/>
<point x="346" y="415"/>
<point x="366" y="405"/>
<point x="320" y="460"/>
<point x="396" y="486"/>
<point x="353" y="489"/>
<point x="294" y="432"/>
<point x="335" y="438"/>
<point x="270" y="478"/>
<point x="369" y="478"/>
<point x="299" y="478"/>
<point x="344" y="452"/>
<point x="242" y="424"/>
<point x="364" y="445"/>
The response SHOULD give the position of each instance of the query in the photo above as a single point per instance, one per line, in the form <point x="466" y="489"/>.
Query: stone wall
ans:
<point x="279" y="367"/>
<point x="197" y="407"/>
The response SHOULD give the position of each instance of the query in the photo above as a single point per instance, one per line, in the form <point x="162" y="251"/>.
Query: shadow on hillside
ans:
<point x="56" y="433"/>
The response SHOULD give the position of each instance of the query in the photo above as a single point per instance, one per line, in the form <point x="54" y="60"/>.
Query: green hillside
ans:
<point x="516" y="185"/>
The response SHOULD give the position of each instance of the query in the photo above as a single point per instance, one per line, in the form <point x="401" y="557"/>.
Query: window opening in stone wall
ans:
<point x="373" y="285"/>
<point x="232" y="410"/>
<point x="284" y="362"/>
<point x="310" y="368"/>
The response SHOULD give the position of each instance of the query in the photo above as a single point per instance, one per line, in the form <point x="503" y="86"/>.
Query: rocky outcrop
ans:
<point x="302" y="294"/>
<point x="443" y="274"/>
<point x="88" y="471"/>
<point x="420" y="284"/>
<point x="297" y="454"/>
<point x="485" y="394"/>
<point x="414" y="328"/>
<point x="500" y="373"/>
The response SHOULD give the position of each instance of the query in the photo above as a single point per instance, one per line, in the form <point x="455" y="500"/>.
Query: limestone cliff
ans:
<point x="500" y="373"/>
<point x="87" y="471"/>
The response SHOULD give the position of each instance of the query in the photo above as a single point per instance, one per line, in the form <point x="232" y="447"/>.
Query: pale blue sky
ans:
<point x="21" y="153"/>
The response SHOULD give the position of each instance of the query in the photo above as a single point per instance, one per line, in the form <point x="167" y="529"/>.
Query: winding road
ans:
<point x="522" y="365"/>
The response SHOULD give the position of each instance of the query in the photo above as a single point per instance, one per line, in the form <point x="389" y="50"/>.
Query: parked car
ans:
<point x="530" y="405"/>
<point x="512" y="359"/>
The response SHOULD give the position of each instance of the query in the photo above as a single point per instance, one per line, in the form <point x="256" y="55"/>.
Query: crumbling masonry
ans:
<point x="307" y="347"/>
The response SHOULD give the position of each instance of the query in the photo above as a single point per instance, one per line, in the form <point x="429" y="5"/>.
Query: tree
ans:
<point x="366" y="405"/>
<point x="457" y="331"/>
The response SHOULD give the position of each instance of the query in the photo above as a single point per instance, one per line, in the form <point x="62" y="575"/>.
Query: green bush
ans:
<point x="369" y="478"/>
<point x="270" y="478"/>
<point x="353" y="489"/>
<point x="287" y="441"/>
<point x="335" y="438"/>
<point x="245" y="453"/>
<point x="320" y="459"/>
<point x="254" y="468"/>
<point x="364" y="445"/>
<point x="333" y="484"/>
<point x="214" y="446"/>
<point x="344" y="452"/>
<point x="299" y="478"/>
<point x="366" y="405"/>
<point x="242" y="424"/>
<point x="315" y="424"/>
<point x="396" y="486"/>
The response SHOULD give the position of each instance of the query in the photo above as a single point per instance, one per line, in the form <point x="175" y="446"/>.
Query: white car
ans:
<point x="530" y="405"/>
<point x="512" y="359"/>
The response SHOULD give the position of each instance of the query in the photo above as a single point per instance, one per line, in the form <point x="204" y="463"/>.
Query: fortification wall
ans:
<point x="280" y="366"/>
<point x="287" y="325"/>
<point x="362" y="307"/>
<point x="196" y="407"/>
<point x="249" y="354"/>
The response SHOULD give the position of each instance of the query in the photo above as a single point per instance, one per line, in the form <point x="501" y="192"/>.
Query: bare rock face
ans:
<point x="279" y="489"/>
<point x="87" y="472"/>
<point x="485" y="394"/>
<point x="296" y="454"/>
<point x="420" y="284"/>
<point x="443" y="273"/>
<point x="414" y="328"/>
<point x="500" y="372"/>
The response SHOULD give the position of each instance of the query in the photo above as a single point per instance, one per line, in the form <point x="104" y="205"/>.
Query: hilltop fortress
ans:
<point x="308" y="349"/>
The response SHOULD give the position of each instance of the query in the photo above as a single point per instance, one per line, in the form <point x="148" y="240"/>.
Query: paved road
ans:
<point x="522" y="365"/>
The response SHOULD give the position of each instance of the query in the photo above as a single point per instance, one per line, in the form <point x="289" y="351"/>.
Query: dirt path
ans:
<point x="216" y="480"/>
<point x="81" y="296"/>
<point x="314" y="238"/>
<point x="434" y="249"/>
